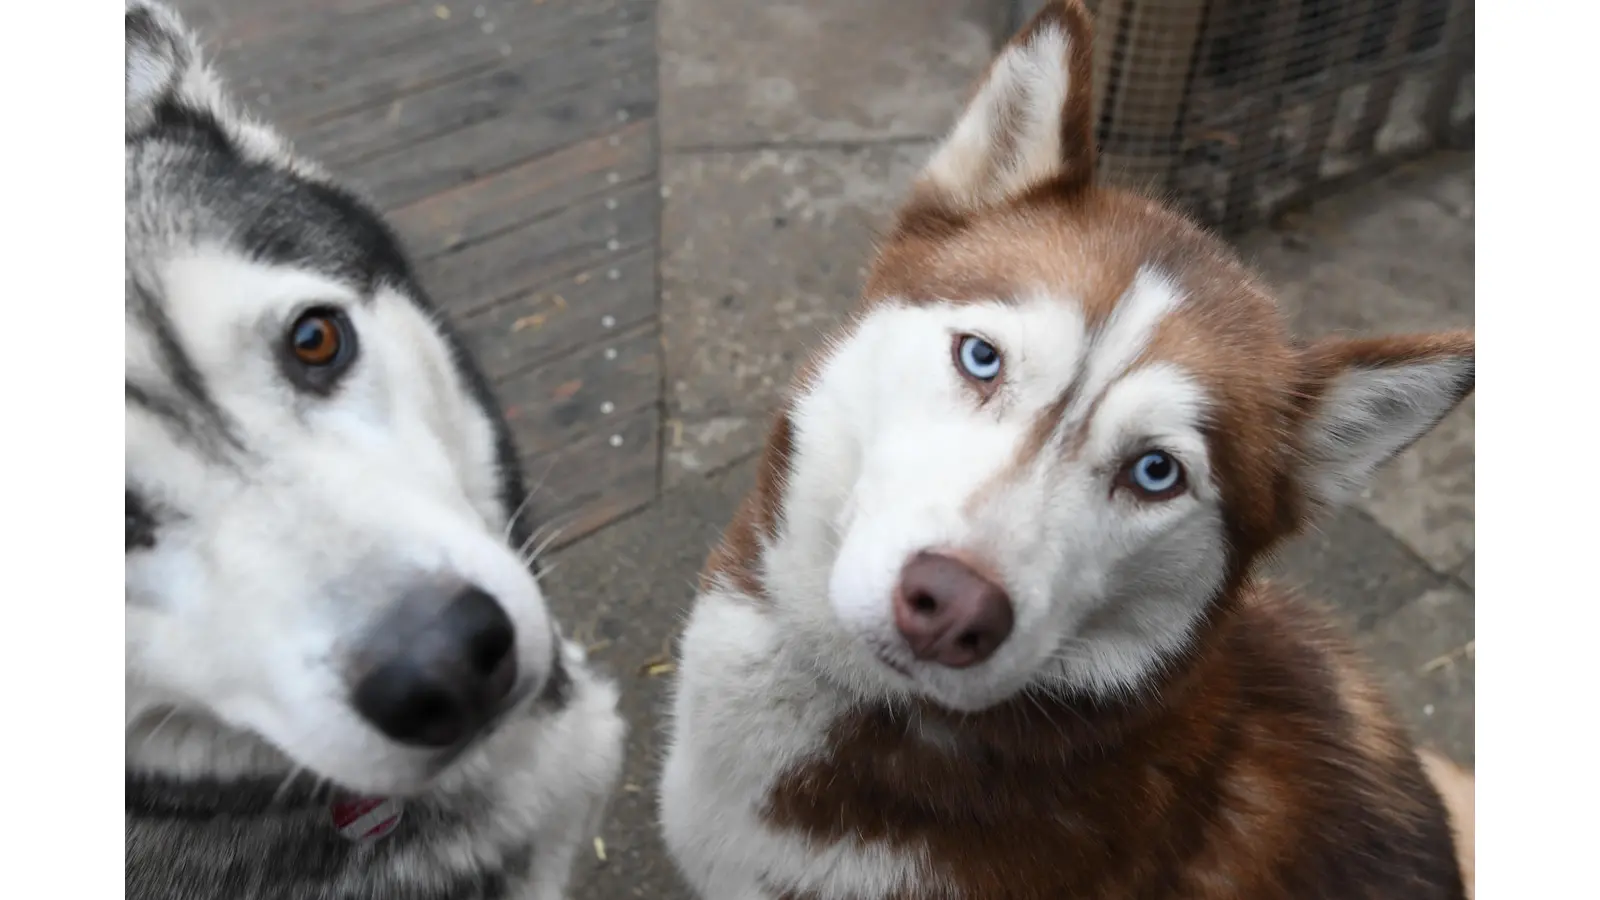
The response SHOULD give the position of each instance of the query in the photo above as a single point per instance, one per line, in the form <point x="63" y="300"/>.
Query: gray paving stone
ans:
<point x="762" y="253"/>
<point x="737" y="73"/>
<point x="1327" y="296"/>
<point x="1448" y="178"/>
<point x="624" y="591"/>
<point x="1388" y="258"/>
<point x="1424" y="653"/>
<point x="1465" y="573"/>
<point x="1426" y="496"/>
<point x="1393" y="255"/>
<point x="1355" y="566"/>
<point x="1411" y="623"/>
<point x="1420" y="254"/>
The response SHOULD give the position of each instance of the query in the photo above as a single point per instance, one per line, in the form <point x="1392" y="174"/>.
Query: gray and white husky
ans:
<point x="342" y="678"/>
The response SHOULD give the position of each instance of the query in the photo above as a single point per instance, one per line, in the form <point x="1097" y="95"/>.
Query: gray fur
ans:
<point x="216" y="809"/>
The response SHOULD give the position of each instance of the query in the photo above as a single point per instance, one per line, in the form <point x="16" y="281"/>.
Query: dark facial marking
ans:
<point x="286" y="218"/>
<point x="193" y="406"/>
<point x="141" y="525"/>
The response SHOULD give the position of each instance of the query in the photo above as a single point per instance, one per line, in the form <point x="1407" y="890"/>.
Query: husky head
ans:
<point x="323" y="504"/>
<point x="1064" y="424"/>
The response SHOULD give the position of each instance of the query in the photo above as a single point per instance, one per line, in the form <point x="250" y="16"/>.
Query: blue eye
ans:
<point x="1155" y="475"/>
<point x="978" y="358"/>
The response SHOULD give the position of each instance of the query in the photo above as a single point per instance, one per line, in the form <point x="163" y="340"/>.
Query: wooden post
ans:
<point x="1267" y="83"/>
<point x="1143" y="55"/>
<point x="1325" y="109"/>
<point x="1455" y="60"/>
<point x="1382" y="89"/>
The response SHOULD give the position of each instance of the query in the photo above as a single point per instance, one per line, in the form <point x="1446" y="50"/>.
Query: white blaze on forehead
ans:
<point x="1126" y="333"/>
<point x="1049" y="337"/>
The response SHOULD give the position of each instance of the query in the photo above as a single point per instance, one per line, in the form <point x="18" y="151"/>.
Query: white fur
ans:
<point x="550" y="776"/>
<point x="1126" y="333"/>
<point x="893" y="453"/>
<point x="748" y="706"/>
<point x="252" y="598"/>
<point x="174" y="65"/>
<point x="237" y="619"/>
<point x="280" y="539"/>
<point x="1026" y="93"/>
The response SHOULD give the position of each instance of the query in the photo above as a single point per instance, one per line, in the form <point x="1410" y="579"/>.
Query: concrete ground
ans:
<point x="787" y="130"/>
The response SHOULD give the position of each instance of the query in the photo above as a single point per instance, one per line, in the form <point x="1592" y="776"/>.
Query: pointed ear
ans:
<point x="1030" y="121"/>
<point x="1371" y="399"/>
<point x="159" y="49"/>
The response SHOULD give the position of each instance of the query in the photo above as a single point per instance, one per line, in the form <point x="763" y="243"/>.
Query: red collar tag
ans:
<point x="366" y="820"/>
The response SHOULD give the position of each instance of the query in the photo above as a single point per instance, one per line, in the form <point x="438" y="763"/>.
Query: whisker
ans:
<point x="288" y="780"/>
<point x="527" y="499"/>
<point x="555" y="527"/>
<point x="555" y="535"/>
<point x="150" y="735"/>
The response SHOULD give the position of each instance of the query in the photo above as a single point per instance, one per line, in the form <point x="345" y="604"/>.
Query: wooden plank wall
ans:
<point x="512" y="144"/>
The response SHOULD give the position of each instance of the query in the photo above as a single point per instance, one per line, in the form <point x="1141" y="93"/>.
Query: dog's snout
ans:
<point x="446" y="675"/>
<point x="949" y="613"/>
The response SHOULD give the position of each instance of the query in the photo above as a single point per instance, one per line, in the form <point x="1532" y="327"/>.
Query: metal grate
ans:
<point x="1238" y="108"/>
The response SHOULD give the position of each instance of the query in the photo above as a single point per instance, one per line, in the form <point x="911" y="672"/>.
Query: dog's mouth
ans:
<point x="449" y="756"/>
<point x="523" y="700"/>
<point x="886" y="656"/>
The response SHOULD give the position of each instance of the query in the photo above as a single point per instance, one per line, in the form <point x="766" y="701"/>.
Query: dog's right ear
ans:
<point x="160" y="51"/>
<point x="1031" y="120"/>
<point x="1368" y="399"/>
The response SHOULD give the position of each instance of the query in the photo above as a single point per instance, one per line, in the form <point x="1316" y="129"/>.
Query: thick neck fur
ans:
<point x="1256" y="763"/>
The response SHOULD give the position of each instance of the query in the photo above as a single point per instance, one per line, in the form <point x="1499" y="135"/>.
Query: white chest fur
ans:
<point x="745" y="713"/>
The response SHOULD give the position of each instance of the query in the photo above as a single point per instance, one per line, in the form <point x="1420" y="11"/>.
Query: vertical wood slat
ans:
<point x="1383" y="88"/>
<point x="520" y="168"/>
<point x="1277" y="43"/>
<point x="1325" y="109"/>
<point x="1455" y="62"/>
<point x="1145" y="88"/>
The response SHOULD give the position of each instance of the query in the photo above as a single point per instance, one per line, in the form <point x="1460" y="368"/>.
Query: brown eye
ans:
<point x="1154" y="476"/>
<point x="317" y="337"/>
<point x="318" y="348"/>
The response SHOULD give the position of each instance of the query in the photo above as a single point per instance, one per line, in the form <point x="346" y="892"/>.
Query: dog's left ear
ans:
<point x="1031" y="120"/>
<point x="159" y="50"/>
<point x="1370" y="399"/>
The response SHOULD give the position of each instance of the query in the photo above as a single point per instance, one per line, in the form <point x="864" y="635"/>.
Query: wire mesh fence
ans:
<point x="1239" y="108"/>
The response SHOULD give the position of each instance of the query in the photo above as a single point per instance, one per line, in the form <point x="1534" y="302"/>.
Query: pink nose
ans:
<point x="948" y="613"/>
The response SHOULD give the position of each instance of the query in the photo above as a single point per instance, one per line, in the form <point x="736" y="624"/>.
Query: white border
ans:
<point x="58" y="643"/>
<point x="1538" y="629"/>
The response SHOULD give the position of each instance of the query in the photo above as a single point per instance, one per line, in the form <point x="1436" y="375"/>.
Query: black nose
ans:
<point x="445" y="675"/>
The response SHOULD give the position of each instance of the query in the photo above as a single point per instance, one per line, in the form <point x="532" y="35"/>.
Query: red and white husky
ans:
<point x="988" y="625"/>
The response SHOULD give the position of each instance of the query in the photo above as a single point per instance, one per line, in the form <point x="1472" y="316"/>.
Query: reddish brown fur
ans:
<point x="737" y="558"/>
<point x="1227" y="779"/>
<point x="1266" y="766"/>
<point x="1089" y="246"/>
<point x="1262" y="764"/>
